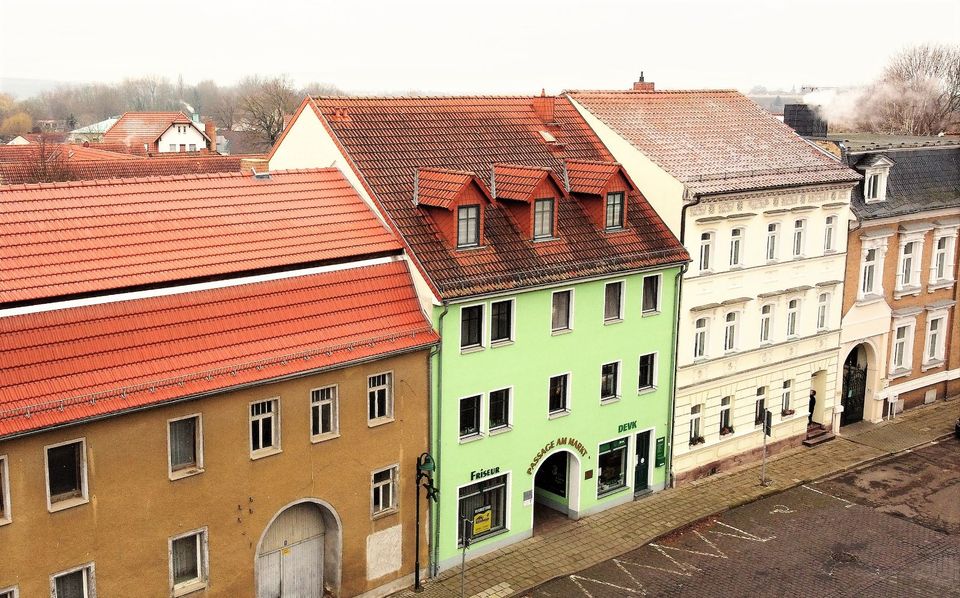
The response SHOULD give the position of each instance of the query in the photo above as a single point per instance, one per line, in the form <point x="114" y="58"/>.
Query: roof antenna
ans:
<point x="641" y="77"/>
<point x="493" y="181"/>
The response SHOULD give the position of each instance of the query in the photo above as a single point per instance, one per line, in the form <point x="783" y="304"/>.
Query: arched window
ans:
<point x="823" y="311"/>
<point x="829" y="233"/>
<point x="700" y="338"/>
<point x="730" y="332"/>
<point x="736" y="247"/>
<point x="706" y="252"/>
<point x="766" y="322"/>
<point x="773" y="232"/>
<point x="793" y="313"/>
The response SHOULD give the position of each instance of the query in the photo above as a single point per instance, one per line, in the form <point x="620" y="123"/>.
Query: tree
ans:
<point x="47" y="164"/>
<point x="17" y="123"/>
<point x="263" y="104"/>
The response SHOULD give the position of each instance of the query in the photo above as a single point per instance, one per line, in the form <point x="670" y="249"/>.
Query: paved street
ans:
<point x="890" y="529"/>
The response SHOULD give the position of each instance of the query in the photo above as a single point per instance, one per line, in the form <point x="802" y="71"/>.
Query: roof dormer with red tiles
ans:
<point x="603" y="189"/>
<point x="455" y="201"/>
<point x="531" y="195"/>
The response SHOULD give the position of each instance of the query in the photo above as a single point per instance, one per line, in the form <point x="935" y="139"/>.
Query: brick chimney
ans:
<point x="641" y="85"/>
<point x="210" y="128"/>
<point x="544" y="106"/>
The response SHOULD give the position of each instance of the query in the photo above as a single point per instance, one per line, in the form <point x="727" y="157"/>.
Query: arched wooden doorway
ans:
<point x="854" y="385"/>
<point x="298" y="555"/>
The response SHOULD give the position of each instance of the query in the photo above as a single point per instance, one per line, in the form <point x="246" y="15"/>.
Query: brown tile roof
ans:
<point x="713" y="141"/>
<point x="79" y="238"/>
<point x="126" y="166"/>
<point x="439" y="187"/>
<point x="589" y="177"/>
<point x="139" y="128"/>
<point x="388" y="139"/>
<point x="517" y="182"/>
<point x="69" y="365"/>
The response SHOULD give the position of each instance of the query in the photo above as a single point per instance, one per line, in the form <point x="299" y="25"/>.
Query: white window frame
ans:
<point x="793" y="318"/>
<point x="766" y="323"/>
<point x="623" y="300"/>
<point x="947" y="254"/>
<point x="731" y="332"/>
<point x="823" y="312"/>
<point x="7" y="515"/>
<point x="553" y="219"/>
<point x="656" y="373"/>
<point x="830" y="234"/>
<point x="486" y="421"/>
<point x="568" y="395"/>
<point x="483" y="328"/>
<point x="697" y="342"/>
<point x="618" y="390"/>
<point x="570" y="312"/>
<point x="84" y="497"/>
<point x="786" y="396"/>
<point x="643" y="289"/>
<point x="192" y="147"/>
<point x="12" y="591"/>
<point x="198" y="443"/>
<point x="507" y="508"/>
<point x="868" y="273"/>
<point x="915" y="257"/>
<point x="606" y="210"/>
<point x="389" y="416"/>
<point x="737" y="238"/>
<point x="275" y="414"/>
<point x="481" y="415"/>
<point x="513" y="322"/>
<point x="943" y="331"/>
<point x="728" y="409"/>
<point x="878" y="243"/>
<point x="798" y="247"/>
<point x="707" y="239"/>
<point x="695" y="423"/>
<point x="771" y="250"/>
<point x="906" y="365"/>
<point x="461" y="209"/>
<point x="875" y="189"/>
<point x="173" y="147"/>
<point x="334" y="413"/>
<point x="203" y="560"/>
<point x="394" y="483"/>
<point x="89" y="579"/>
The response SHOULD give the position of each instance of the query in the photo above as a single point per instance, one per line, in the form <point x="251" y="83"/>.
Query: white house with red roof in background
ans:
<point x="162" y="132"/>
<point x="764" y="215"/>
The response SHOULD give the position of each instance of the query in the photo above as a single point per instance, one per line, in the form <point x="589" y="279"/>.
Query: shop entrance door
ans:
<point x="641" y="472"/>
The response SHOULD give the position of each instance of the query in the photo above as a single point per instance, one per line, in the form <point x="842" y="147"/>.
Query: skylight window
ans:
<point x="549" y="138"/>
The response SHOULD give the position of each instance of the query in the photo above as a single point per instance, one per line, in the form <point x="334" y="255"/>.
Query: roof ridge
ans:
<point x="654" y="92"/>
<point x="437" y="97"/>
<point x="151" y="179"/>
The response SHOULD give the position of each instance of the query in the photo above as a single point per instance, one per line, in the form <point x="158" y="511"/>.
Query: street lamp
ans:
<point x="425" y="468"/>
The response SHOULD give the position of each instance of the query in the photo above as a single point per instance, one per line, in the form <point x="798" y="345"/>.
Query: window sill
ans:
<point x="900" y="373"/>
<point x="932" y="364"/>
<point x="652" y="312"/>
<point x="561" y="331"/>
<point x="189" y="588"/>
<point x="69" y="503"/>
<point x="262" y="453"/>
<point x="609" y="400"/>
<point x="385" y="513"/>
<point x="324" y="437"/>
<point x="735" y="267"/>
<point x="470" y="247"/>
<point x="185" y="473"/>
<point x="829" y="251"/>
<point x="470" y="438"/>
<point x="5" y="521"/>
<point x="499" y="430"/>
<point x="471" y="349"/>
<point x="646" y="390"/>
<point x="612" y="491"/>
<point x="558" y="414"/>
<point x="545" y="239"/>
<point x="940" y="285"/>
<point x="612" y="321"/>
<point x="906" y="292"/>
<point x="797" y="258"/>
<point x="869" y="299"/>
<point x="504" y="343"/>
<point x="373" y="423"/>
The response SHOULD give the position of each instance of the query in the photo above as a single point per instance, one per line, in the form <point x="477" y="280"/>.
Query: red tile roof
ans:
<point x="388" y="139"/>
<point x="517" y="182"/>
<point x="590" y="177"/>
<point x="713" y="141"/>
<point x="439" y="187"/>
<point x="128" y="166"/>
<point x="63" y="239"/>
<point x="73" y="364"/>
<point x="138" y="128"/>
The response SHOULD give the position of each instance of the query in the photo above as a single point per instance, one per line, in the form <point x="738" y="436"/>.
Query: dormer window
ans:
<point x="875" y="169"/>
<point x="468" y="226"/>
<point x="872" y="187"/>
<point x="614" y="211"/>
<point x="543" y="219"/>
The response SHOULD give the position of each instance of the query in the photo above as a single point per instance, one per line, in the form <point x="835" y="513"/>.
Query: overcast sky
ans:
<point x="456" y="46"/>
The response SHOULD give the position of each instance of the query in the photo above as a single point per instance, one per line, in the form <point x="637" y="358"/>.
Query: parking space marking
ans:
<point x="847" y="506"/>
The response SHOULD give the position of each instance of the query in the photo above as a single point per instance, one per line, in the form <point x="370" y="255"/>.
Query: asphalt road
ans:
<point x="892" y="529"/>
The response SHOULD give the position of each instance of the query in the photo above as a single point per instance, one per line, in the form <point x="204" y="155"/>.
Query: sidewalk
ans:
<point x="570" y="548"/>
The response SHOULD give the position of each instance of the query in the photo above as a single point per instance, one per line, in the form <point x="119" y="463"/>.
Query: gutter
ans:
<point x="434" y="562"/>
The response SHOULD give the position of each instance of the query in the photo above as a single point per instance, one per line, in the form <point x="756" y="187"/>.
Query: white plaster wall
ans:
<point x="192" y="135"/>
<point x="664" y="192"/>
<point x="384" y="549"/>
<point x="308" y="144"/>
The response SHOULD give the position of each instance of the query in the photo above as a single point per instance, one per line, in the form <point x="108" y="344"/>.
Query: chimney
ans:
<point x="641" y="85"/>
<point x="803" y="119"/>
<point x="210" y="128"/>
<point x="544" y="105"/>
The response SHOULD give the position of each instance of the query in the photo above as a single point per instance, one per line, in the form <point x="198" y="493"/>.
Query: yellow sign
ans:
<point x="482" y="520"/>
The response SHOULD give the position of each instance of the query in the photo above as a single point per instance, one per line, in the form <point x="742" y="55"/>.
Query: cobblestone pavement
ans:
<point x="571" y="548"/>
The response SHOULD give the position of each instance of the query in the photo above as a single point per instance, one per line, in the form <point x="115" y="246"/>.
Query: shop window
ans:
<point x="264" y="427"/>
<point x="188" y="563"/>
<point x="612" y="463"/>
<point x="489" y="494"/>
<point x="499" y="411"/>
<point x="380" y="397"/>
<point x="470" y="416"/>
<point x="324" y="412"/>
<point x="384" y="491"/>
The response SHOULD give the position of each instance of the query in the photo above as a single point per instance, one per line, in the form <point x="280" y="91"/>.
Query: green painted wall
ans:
<point x="527" y="365"/>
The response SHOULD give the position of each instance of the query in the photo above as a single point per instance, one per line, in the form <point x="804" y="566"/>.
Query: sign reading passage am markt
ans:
<point x="661" y="456"/>
<point x="482" y="520"/>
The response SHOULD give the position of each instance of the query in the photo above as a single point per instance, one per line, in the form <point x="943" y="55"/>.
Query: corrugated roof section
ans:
<point x="65" y="239"/>
<point x="715" y="141"/>
<point x="390" y="138"/>
<point x="73" y="364"/>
